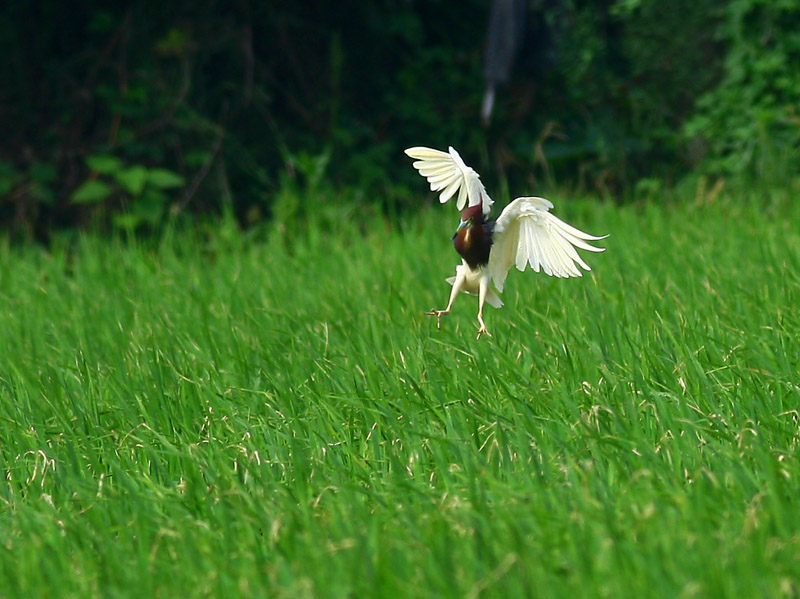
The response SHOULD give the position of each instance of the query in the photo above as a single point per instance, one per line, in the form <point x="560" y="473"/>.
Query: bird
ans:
<point x="525" y="233"/>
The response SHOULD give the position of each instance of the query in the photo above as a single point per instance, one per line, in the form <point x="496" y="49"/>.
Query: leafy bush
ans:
<point x="141" y="191"/>
<point x="749" y="122"/>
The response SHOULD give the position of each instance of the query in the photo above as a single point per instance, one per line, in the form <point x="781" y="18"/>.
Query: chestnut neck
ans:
<point x="474" y="242"/>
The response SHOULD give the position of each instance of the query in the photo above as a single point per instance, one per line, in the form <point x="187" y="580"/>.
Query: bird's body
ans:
<point x="471" y="283"/>
<point x="474" y="243"/>
<point x="525" y="234"/>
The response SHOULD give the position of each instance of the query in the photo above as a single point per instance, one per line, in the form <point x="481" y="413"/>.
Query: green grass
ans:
<point x="217" y="416"/>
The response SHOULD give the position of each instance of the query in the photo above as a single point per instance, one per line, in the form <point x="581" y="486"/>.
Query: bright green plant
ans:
<point x="142" y="192"/>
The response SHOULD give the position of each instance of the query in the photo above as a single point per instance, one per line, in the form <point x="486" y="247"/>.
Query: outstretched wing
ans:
<point x="446" y="172"/>
<point x="527" y="233"/>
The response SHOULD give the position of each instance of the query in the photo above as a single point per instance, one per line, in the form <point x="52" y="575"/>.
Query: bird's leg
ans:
<point x="457" y="284"/>
<point x="482" y="291"/>
<point x="483" y="328"/>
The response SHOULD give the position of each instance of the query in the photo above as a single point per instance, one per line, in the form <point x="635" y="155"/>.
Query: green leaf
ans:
<point x="148" y="209"/>
<point x="175" y="43"/>
<point x="162" y="178"/>
<point x="126" y="221"/>
<point x="8" y="177"/>
<point x="132" y="179"/>
<point x="91" y="192"/>
<point x="104" y="164"/>
<point x="194" y="158"/>
<point x="102" y="21"/>
<point x="43" y="172"/>
<point x="42" y="193"/>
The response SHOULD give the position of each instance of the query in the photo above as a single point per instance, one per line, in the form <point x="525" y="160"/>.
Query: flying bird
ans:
<point x="525" y="234"/>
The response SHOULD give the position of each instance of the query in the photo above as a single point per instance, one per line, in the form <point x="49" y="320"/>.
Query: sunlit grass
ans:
<point x="275" y="417"/>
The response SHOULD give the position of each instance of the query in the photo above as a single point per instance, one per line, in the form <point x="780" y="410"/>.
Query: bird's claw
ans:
<point x="438" y="314"/>
<point x="483" y="331"/>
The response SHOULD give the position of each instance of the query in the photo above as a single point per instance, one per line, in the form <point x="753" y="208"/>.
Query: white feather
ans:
<point x="447" y="173"/>
<point x="527" y="234"/>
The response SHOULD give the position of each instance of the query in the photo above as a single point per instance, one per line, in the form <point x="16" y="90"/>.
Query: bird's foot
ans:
<point x="482" y="330"/>
<point x="438" y="314"/>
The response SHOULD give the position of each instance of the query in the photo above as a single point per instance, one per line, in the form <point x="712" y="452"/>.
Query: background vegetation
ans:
<point x="131" y="116"/>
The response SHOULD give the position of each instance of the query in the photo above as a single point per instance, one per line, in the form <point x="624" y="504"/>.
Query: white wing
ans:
<point x="526" y="233"/>
<point x="446" y="172"/>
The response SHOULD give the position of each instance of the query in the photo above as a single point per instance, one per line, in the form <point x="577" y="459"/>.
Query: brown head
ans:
<point x="475" y="212"/>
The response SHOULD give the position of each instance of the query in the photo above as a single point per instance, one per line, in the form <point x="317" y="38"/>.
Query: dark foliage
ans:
<point x="126" y="117"/>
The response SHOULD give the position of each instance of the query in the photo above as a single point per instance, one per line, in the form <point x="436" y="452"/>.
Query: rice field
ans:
<point x="272" y="415"/>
